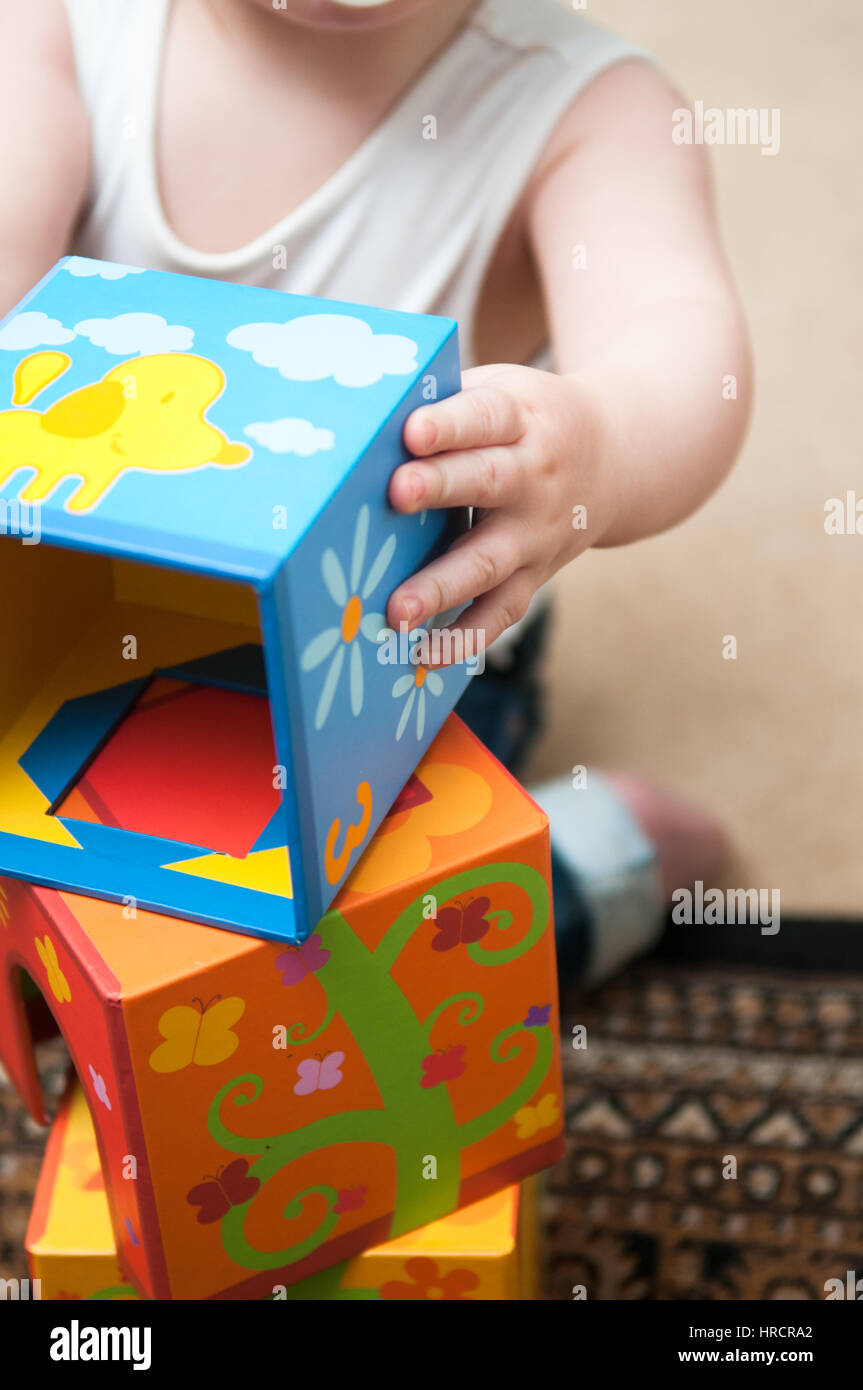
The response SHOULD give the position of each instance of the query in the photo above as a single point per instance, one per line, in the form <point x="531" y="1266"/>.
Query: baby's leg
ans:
<point x="689" y="843"/>
<point x="620" y="846"/>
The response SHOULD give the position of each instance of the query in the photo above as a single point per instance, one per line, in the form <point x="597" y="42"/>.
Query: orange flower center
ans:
<point x="434" y="1291"/>
<point x="351" y="618"/>
<point x="419" y="678"/>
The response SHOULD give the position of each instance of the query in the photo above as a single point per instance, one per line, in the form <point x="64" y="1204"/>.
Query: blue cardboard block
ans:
<point x="193" y="481"/>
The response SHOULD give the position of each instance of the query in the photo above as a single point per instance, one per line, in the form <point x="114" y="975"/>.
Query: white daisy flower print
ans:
<point x="415" y="689"/>
<point x="349" y="593"/>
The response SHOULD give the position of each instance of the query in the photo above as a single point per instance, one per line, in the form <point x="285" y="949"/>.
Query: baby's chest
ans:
<point x="230" y="170"/>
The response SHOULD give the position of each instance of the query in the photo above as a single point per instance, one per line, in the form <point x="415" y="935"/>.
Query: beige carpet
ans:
<point x="774" y="740"/>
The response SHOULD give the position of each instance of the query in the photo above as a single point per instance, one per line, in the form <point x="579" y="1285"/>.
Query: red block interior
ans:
<point x="189" y="762"/>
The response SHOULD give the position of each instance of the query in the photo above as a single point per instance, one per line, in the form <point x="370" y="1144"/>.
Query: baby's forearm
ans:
<point x="673" y="396"/>
<point x="644" y="314"/>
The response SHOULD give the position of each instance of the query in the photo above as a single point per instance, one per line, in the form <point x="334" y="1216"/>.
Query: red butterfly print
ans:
<point x="229" y="1188"/>
<point x="351" y="1199"/>
<point x="443" y="1066"/>
<point x="461" y="922"/>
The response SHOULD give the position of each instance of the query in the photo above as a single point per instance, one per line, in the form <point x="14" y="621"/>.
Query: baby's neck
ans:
<point x="391" y="55"/>
<point x="274" y="108"/>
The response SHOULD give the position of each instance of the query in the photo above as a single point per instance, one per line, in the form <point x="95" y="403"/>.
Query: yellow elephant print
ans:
<point x="146" y="414"/>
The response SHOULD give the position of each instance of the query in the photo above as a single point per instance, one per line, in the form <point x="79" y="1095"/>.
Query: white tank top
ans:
<point x="413" y="218"/>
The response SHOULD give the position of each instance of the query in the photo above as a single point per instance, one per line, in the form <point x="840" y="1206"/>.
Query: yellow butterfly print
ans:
<point x="199" y="1033"/>
<point x="5" y="915"/>
<point x="47" y="953"/>
<point x="532" y="1118"/>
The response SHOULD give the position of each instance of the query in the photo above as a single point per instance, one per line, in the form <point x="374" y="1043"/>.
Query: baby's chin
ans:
<point x="344" y="14"/>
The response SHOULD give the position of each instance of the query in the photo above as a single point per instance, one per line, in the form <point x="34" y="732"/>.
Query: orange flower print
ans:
<point x="440" y="799"/>
<point x="424" y="1281"/>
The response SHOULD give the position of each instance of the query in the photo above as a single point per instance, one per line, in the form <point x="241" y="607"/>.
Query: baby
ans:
<point x="505" y="162"/>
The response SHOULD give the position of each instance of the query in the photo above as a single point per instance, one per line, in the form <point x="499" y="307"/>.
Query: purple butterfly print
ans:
<point x="299" y="962"/>
<point x="537" y="1016"/>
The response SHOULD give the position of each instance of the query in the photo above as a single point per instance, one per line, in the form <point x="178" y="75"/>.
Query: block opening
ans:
<point x="43" y="1048"/>
<point x="137" y="748"/>
<point x="187" y="761"/>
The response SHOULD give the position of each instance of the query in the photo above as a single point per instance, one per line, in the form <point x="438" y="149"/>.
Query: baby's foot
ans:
<point x="690" y="844"/>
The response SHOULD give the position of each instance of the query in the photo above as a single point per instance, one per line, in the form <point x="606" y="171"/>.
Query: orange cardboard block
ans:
<point x="266" y="1112"/>
<point x="487" y="1251"/>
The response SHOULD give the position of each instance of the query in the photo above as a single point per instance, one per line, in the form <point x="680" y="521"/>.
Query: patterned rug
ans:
<point x="715" y="1120"/>
<point x="688" y="1077"/>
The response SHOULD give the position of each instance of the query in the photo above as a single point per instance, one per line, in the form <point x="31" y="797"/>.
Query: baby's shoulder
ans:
<point x="35" y="29"/>
<point x="547" y="26"/>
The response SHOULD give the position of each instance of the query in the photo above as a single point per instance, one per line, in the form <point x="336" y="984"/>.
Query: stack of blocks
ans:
<point x="290" y="917"/>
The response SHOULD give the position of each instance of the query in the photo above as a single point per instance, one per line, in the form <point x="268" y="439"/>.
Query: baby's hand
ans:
<point x="522" y="447"/>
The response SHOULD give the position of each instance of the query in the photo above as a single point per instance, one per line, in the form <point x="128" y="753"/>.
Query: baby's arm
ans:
<point x="44" y="143"/>
<point x="643" y="421"/>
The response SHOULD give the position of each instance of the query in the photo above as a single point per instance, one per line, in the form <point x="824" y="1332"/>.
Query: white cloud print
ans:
<point x="136" y="333"/>
<point x="33" y="329"/>
<point x="84" y="268"/>
<point x="290" y="436"/>
<point x="316" y="346"/>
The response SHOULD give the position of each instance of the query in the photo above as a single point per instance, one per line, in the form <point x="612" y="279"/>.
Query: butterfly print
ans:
<point x="299" y="962"/>
<point x="230" y="1187"/>
<point x="443" y="1066"/>
<point x="319" y="1073"/>
<point x="198" y="1033"/>
<point x="461" y="922"/>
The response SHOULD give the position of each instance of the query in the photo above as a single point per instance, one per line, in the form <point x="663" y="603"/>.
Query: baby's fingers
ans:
<point x="479" y="561"/>
<point x="473" y="419"/>
<point x="482" y="478"/>
<point x="496" y="611"/>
